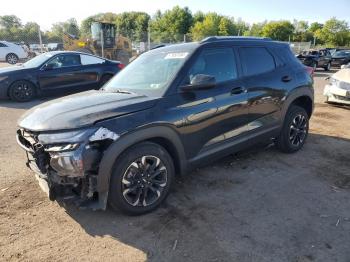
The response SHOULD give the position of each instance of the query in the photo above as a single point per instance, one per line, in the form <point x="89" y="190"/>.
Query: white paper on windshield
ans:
<point x="181" y="55"/>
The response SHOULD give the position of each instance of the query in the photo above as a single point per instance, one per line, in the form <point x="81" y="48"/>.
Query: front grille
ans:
<point x="35" y="151"/>
<point x="342" y="98"/>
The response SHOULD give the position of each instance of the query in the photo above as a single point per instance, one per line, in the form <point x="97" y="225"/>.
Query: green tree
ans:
<point x="278" y="30"/>
<point x="315" y="26"/>
<point x="10" y="21"/>
<point x="134" y="25"/>
<point x="255" y="29"/>
<point x="172" y="25"/>
<point x="334" y="33"/>
<point x="226" y="27"/>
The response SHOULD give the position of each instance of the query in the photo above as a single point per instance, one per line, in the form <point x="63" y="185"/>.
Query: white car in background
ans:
<point x="338" y="89"/>
<point x="11" y="53"/>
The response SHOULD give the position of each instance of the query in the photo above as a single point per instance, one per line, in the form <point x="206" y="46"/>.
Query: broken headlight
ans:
<point x="75" y="136"/>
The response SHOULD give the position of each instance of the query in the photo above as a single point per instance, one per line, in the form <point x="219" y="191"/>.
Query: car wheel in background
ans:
<point x="294" y="131"/>
<point x="328" y="67"/>
<point x="22" y="91"/>
<point x="12" y="58"/>
<point x="141" y="178"/>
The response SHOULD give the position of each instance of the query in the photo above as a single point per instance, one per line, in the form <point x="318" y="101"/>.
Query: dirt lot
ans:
<point x="259" y="205"/>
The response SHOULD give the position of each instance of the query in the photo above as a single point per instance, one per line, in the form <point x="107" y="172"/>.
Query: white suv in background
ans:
<point x="11" y="53"/>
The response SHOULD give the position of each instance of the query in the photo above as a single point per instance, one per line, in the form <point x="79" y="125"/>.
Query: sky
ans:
<point x="45" y="12"/>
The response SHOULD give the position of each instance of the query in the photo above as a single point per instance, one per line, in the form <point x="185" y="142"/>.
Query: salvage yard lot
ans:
<point x="258" y="205"/>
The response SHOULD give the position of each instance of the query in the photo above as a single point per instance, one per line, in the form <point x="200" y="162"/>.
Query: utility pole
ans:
<point x="40" y="40"/>
<point x="102" y="43"/>
<point x="314" y="41"/>
<point x="149" y="36"/>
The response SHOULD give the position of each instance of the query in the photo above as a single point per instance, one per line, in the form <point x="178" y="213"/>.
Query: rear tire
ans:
<point x="22" y="91"/>
<point x="12" y="58"/>
<point x="327" y="67"/>
<point x="294" y="131"/>
<point x="141" y="179"/>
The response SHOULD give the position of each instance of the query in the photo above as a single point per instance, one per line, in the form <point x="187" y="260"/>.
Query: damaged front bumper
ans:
<point x="66" y="164"/>
<point x="337" y="94"/>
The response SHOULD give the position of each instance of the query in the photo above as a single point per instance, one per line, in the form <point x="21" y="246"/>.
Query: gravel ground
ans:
<point x="258" y="205"/>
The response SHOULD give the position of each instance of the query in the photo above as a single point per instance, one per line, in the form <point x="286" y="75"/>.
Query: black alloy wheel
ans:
<point x="21" y="91"/>
<point x="144" y="181"/>
<point x="141" y="178"/>
<point x="294" y="131"/>
<point x="298" y="129"/>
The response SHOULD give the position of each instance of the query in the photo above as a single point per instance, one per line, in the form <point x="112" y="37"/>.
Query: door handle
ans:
<point x="286" y="79"/>
<point x="238" y="90"/>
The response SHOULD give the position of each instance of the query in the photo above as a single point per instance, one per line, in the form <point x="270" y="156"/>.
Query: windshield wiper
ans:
<point x="121" y="91"/>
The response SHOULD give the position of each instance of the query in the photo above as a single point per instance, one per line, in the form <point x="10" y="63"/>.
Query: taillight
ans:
<point x="309" y="70"/>
<point x="121" y="66"/>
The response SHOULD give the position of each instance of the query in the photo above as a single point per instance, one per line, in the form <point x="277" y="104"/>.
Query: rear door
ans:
<point x="93" y="69"/>
<point x="266" y="81"/>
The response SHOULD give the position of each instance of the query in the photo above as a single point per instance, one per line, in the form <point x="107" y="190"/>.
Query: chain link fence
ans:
<point x="123" y="46"/>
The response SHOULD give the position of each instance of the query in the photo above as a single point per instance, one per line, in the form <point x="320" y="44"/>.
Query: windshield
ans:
<point x="342" y="53"/>
<point x="37" y="61"/>
<point x="150" y="74"/>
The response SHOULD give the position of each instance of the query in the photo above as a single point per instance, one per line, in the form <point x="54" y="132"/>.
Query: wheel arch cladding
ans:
<point x="162" y="135"/>
<point x="303" y="97"/>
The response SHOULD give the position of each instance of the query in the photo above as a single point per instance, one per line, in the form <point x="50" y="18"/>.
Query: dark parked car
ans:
<point x="340" y="58"/>
<point x="56" y="73"/>
<point x="316" y="59"/>
<point x="172" y="109"/>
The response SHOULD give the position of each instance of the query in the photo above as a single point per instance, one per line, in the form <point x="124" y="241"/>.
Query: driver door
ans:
<point x="62" y="72"/>
<point x="218" y="114"/>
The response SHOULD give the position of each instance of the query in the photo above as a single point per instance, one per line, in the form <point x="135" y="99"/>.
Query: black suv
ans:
<point x="316" y="59"/>
<point x="170" y="110"/>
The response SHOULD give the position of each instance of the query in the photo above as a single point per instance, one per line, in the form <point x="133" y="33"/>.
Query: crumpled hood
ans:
<point x="82" y="109"/>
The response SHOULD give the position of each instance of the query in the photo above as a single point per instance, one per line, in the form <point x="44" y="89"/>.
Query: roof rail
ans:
<point x="158" y="46"/>
<point x="217" y="38"/>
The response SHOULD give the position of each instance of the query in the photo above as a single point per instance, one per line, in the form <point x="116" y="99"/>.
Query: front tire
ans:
<point x="22" y="91"/>
<point x="12" y="58"/>
<point x="294" y="131"/>
<point x="141" y="179"/>
<point x="327" y="67"/>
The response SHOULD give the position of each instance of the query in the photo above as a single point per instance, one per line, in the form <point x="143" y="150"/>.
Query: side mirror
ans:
<point x="200" y="81"/>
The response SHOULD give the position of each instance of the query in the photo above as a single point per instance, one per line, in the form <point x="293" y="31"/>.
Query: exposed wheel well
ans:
<point x="304" y="102"/>
<point x="168" y="146"/>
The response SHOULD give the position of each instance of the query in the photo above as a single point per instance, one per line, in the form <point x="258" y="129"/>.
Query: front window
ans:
<point x="150" y="74"/>
<point x="219" y="63"/>
<point x="64" y="61"/>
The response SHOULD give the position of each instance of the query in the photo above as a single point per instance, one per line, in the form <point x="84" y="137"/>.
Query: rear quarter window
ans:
<point x="90" y="60"/>
<point x="256" y="60"/>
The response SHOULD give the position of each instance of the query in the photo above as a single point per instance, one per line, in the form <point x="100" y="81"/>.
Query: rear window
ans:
<point x="285" y="55"/>
<point x="256" y="60"/>
<point x="3" y="45"/>
<point x="90" y="60"/>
